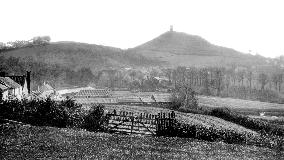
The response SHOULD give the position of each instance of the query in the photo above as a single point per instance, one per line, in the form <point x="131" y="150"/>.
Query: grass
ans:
<point x="29" y="142"/>
<point x="247" y="107"/>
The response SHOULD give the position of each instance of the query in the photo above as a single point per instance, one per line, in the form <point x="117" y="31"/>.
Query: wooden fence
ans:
<point x="147" y="124"/>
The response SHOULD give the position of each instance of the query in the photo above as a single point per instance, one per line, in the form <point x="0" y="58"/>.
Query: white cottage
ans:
<point x="10" y="89"/>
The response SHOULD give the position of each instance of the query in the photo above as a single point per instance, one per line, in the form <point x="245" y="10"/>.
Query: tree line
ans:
<point x="239" y="82"/>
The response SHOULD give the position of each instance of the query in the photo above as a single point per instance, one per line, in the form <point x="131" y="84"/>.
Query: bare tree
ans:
<point x="263" y="80"/>
<point x="249" y="76"/>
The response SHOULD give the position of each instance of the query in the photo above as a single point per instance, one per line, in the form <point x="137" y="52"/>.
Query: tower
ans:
<point x="171" y="28"/>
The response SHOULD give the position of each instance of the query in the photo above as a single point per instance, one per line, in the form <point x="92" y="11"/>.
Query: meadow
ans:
<point x="29" y="142"/>
<point x="248" y="107"/>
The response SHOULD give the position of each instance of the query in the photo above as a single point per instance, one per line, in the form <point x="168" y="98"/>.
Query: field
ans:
<point x="247" y="107"/>
<point x="28" y="142"/>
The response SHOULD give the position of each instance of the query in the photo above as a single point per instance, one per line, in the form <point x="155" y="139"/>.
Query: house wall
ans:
<point x="19" y="93"/>
<point x="25" y="89"/>
<point x="15" y="93"/>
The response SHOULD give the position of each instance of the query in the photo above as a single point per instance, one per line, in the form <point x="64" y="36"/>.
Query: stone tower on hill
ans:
<point x="171" y="28"/>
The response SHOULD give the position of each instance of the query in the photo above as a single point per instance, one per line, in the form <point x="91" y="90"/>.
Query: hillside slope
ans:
<point x="178" y="48"/>
<point x="77" y="55"/>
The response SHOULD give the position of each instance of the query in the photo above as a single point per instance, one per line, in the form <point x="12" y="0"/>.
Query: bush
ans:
<point x="95" y="120"/>
<point x="184" y="97"/>
<point x="45" y="112"/>
<point x="208" y="134"/>
<point x="254" y="124"/>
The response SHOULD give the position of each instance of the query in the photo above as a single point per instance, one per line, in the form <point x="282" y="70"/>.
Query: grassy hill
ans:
<point x="169" y="49"/>
<point x="77" y="55"/>
<point x="29" y="142"/>
<point x="178" y="48"/>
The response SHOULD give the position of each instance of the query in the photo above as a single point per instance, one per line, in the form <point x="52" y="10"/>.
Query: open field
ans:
<point x="28" y="142"/>
<point x="240" y="105"/>
<point x="243" y="106"/>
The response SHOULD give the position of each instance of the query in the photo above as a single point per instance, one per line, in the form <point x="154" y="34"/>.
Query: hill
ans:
<point x="176" y="48"/>
<point x="170" y="49"/>
<point x="29" y="142"/>
<point x="77" y="55"/>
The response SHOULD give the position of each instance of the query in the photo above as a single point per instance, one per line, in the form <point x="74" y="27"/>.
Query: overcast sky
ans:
<point x="256" y="25"/>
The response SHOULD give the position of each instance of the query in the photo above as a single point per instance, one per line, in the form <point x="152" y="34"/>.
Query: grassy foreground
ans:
<point x="29" y="142"/>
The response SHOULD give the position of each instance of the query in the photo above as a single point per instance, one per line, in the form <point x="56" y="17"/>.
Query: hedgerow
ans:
<point x="254" y="124"/>
<point x="41" y="112"/>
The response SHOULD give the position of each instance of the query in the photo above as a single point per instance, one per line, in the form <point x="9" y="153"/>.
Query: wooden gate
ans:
<point x="146" y="124"/>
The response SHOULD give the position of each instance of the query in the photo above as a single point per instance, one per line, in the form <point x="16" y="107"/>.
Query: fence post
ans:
<point x="132" y="121"/>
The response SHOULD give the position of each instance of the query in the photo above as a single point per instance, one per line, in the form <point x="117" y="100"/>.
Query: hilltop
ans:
<point x="76" y="55"/>
<point x="177" y="48"/>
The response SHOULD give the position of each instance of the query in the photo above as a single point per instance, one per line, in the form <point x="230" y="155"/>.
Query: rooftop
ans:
<point x="9" y="83"/>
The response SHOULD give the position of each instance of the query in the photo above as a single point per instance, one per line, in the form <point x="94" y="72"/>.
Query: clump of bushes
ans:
<point x="184" y="99"/>
<point x="254" y="124"/>
<point x="206" y="133"/>
<point x="47" y="112"/>
<point x="95" y="120"/>
<point x="41" y="112"/>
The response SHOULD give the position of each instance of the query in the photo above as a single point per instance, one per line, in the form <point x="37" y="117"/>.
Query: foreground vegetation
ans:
<point x="67" y="114"/>
<point x="29" y="142"/>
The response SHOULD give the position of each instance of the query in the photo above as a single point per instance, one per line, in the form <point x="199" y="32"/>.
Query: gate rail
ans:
<point x="146" y="124"/>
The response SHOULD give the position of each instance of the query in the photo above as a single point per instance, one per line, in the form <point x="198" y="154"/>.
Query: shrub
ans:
<point x="45" y="112"/>
<point x="184" y="97"/>
<point x="254" y="124"/>
<point x="95" y="120"/>
<point x="208" y="133"/>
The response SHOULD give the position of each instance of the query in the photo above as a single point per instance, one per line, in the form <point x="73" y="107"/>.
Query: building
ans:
<point x="46" y="90"/>
<point x="15" y="86"/>
<point x="10" y="89"/>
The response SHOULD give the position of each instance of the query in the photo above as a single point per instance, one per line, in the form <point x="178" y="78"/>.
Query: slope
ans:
<point x="77" y="55"/>
<point x="29" y="142"/>
<point x="178" y="48"/>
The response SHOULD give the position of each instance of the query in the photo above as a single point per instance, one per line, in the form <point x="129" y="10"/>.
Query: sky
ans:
<point x="249" y="26"/>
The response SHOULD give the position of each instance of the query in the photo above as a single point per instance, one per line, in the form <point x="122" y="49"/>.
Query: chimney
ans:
<point x="171" y="28"/>
<point x="29" y="81"/>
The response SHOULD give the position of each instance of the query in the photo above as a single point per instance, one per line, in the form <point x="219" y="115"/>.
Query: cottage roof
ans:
<point x="8" y="82"/>
<point x="21" y="80"/>
<point x="93" y="93"/>
<point x="45" y="87"/>
<point x="3" y="87"/>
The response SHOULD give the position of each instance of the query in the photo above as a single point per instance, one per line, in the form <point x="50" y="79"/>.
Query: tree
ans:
<point x="168" y="73"/>
<point x="241" y="76"/>
<point x="205" y="81"/>
<point x="263" y="80"/>
<point x="132" y="74"/>
<point x="41" y="40"/>
<point x="249" y="76"/>
<point x="218" y="79"/>
<point x="184" y="97"/>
